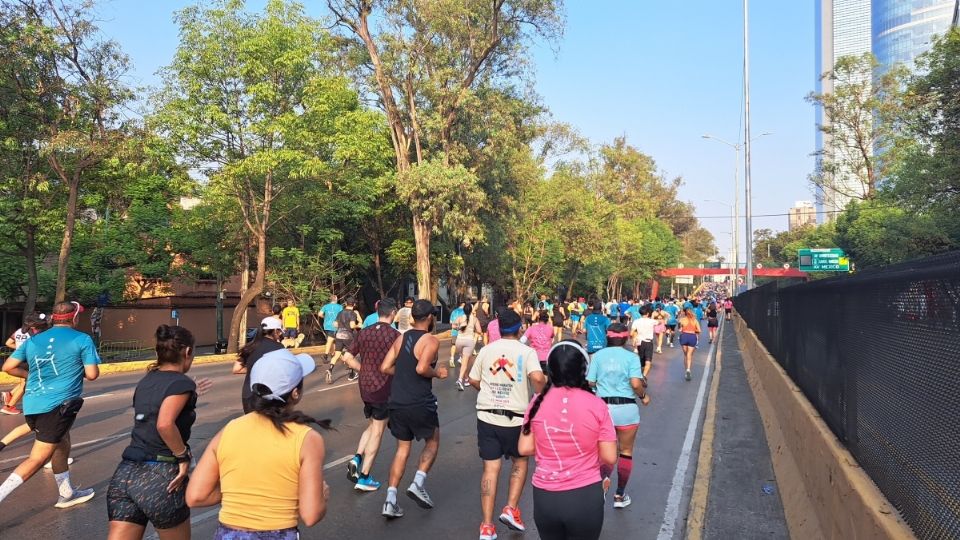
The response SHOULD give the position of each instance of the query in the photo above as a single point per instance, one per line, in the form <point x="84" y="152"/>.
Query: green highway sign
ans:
<point x="823" y="260"/>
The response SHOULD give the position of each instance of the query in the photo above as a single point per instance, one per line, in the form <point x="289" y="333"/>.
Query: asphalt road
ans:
<point x="660" y="485"/>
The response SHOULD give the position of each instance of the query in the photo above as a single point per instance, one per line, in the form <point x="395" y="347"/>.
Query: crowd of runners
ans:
<point x="561" y="381"/>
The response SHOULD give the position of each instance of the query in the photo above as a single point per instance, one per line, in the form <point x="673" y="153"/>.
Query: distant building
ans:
<point x="801" y="215"/>
<point x="895" y="31"/>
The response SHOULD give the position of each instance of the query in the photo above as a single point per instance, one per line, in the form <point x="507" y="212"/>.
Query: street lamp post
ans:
<point x="736" y="203"/>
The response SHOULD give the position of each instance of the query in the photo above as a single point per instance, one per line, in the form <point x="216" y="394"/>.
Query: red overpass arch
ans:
<point x="758" y="272"/>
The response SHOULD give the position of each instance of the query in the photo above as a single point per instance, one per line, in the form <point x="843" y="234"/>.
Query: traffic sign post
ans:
<point x="823" y="260"/>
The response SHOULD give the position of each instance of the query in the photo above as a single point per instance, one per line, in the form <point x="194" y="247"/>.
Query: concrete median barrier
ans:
<point x="825" y="492"/>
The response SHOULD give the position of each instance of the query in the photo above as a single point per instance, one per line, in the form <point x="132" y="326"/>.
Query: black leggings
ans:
<point x="569" y="515"/>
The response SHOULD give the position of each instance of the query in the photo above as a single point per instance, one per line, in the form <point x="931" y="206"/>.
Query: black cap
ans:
<point x="421" y="309"/>
<point x="509" y="319"/>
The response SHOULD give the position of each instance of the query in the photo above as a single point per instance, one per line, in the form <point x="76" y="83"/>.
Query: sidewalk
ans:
<point x="743" y="500"/>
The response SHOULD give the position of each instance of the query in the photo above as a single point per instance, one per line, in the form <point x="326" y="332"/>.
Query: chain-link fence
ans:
<point x="878" y="355"/>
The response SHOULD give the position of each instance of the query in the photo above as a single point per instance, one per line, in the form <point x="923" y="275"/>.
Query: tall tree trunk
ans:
<point x="421" y="236"/>
<point x="573" y="279"/>
<point x="238" y="322"/>
<point x="379" y="269"/>
<point x="64" y="259"/>
<point x="239" y="312"/>
<point x="30" y="260"/>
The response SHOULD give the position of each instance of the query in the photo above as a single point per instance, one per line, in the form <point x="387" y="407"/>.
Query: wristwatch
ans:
<point x="185" y="457"/>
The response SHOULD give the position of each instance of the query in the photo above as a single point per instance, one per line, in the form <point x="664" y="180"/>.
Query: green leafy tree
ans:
<point x="75" y="96"/>
<point x="875" y="233"/>
<point x="858" y="119"/>
<point x="927" y="179"/>
<point x="246" y="102"/>
<point x="427" y="59"/>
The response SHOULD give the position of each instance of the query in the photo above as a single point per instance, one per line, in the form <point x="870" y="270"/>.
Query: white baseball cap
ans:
<point x="281" y="371"/>
<point x="271" y="323"/>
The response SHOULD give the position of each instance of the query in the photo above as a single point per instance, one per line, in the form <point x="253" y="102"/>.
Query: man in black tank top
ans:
<point x="412" y="360"/>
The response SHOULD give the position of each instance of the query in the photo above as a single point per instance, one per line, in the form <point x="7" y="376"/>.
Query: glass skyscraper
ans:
<point x="904" y="29"/>
<point x="895" y="31"/>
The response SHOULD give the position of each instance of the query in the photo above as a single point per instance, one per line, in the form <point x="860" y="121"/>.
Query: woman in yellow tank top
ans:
<point x="689" y="335"/>
<point x="265" y="469"/>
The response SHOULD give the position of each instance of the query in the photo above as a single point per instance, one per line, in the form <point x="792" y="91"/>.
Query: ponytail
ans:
<point x="172" y="341"/>
<point x="278" y="413"/>
<point x="536" y="407"/>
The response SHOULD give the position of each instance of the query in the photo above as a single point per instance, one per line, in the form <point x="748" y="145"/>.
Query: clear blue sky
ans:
<point x="661" y="72"/>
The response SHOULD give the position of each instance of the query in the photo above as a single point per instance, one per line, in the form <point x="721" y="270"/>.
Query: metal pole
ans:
<point x="736" y="219"/>
<point x="748" y="234"/>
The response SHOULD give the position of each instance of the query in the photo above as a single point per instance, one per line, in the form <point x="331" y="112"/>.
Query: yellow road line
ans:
<point x="701" y="483"/>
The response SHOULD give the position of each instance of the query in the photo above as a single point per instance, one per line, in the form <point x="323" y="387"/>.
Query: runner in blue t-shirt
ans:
<point x="634" y="311"/>
<point x="596" y="324"/>
<point x="672" y="312"/>
<point x="57" y="362"/>
<point x="329" y="314"/>
<point x="454" y="315"/>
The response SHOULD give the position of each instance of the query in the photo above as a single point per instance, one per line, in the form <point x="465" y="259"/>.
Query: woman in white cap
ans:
<point x="267" y="340"/>
<point x="265" y="469"/>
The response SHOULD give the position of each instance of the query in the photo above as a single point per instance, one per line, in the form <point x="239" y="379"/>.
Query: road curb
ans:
<point x="701" y="483"/>
<point x="141" y="365"/>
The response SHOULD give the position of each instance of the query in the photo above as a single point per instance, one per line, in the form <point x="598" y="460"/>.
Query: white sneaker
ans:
<point x="622" y="502"/>
<point x="79" y="496"/>
<point x="49" y="465"/>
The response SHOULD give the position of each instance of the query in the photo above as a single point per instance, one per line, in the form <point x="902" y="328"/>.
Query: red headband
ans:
<point x="618" y="334"/>
<point x="68" y="317"/>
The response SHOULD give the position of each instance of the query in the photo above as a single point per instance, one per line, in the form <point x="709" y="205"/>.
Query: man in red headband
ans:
<point x="59" y="359"/>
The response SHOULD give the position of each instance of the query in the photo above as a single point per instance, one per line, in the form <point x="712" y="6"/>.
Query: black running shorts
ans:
<point x="645" y="352"/>
<point x="413" y="423"/>
<point x="138" y="494"/>
<point x="50" y="427"/>
<point x="377" y="411"/>
<point x="496" y="442"/>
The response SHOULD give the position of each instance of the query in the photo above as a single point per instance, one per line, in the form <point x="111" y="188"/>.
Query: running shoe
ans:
<point x="453" y="363"/>
<point x="621" y="501"/>
<point x="420" y="496"/>
<point x="49" y="464"/>
<point x="353" y="468"/>
<point x="10" y="409"/>
<point x="686" y="376"/>
<point x="659" y="350"/>
<point x="366" y="484"/>
<point x="511" y="518"/>
<point x="5" y="397"/>
<point x="79" y="496"/>
<point x="671" y="344"/>
<point x="460" y="386"/>
<point x="392" y="510"/>
<point x="488" y="532"/>
<point x="329" y="376"/>
<point x="352" y="375"/>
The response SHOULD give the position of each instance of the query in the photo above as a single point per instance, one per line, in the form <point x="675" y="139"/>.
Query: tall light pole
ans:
<point x="748" y="193"/>
<point x="736" y="197"/>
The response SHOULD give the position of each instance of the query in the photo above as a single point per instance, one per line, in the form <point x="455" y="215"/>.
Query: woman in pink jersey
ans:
<point x="571" y="433"/>
<point x="540" y="337"/>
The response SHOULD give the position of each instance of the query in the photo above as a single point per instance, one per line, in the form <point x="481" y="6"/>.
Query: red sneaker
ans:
<point x="511" y="518"/>
<point x="488" y="532"/>
<point x="8" y="409"/>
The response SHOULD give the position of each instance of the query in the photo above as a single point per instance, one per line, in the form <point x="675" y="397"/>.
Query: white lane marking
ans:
<point x="672" y="510"/>
<point x="77" y="445"/>
<point x="97" y="396"/>
<point x="334" y="387"/>
<point x="214" y="512"/>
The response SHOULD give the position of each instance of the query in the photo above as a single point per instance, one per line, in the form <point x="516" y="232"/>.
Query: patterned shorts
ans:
<point x="227" y="533"/>
<point x="138" y="494"/>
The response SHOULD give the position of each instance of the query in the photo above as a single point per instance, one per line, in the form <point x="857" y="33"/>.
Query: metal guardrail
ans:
<point x="123" y="351"/>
